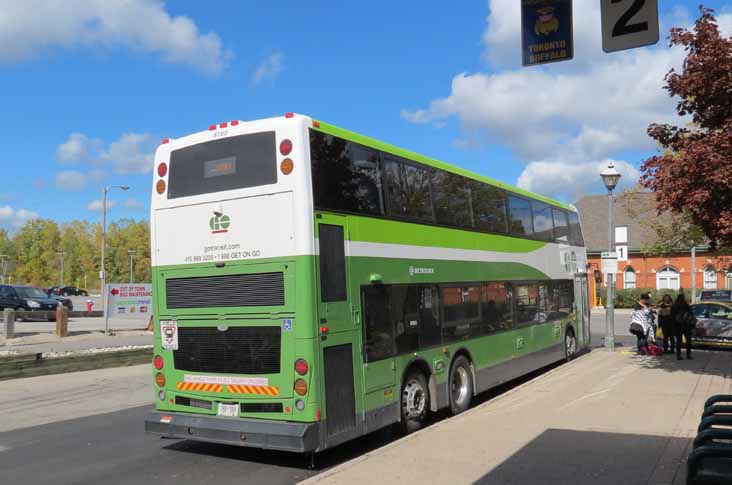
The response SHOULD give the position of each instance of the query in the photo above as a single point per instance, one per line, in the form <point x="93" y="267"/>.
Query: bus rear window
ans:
<point x="229" y="163"/>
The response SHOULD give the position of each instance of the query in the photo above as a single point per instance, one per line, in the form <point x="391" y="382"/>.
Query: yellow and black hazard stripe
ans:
<point x="260" y="390"/>
<point x="199" y="386"/>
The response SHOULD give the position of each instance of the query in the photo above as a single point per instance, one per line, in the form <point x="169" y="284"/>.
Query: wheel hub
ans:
<point x="413" y="399"/>
<point x="459" y="385"/>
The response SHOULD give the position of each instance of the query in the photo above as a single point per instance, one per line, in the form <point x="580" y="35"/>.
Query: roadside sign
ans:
<point x="627" y="24"/>
<point x="546" y="31"/>
<point x="609" y="262"/>
<point x="129" y="301"/>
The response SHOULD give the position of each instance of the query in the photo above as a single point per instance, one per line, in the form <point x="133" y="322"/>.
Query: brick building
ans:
<point x="636" y="270"/>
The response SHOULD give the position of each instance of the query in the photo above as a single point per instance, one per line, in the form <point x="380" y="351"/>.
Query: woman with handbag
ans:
<point x="664" y="321"/>
<point x="641" y="324"/>
<point x="683" y="322"/>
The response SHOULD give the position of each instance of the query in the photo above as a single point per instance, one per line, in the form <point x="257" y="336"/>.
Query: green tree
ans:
<point x="36" y="245"/>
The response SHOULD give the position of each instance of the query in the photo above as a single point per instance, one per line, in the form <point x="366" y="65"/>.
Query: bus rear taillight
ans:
<point x="301" y="366"/>
<point x="158" y="362"/>
<point x="285" y="147"/>
<point x="162" y="170"/>
<point x="160" y="379"/>
<point x="286" y="166"/>
<point x="301" y="387"/>
<point x="160" y="187"/>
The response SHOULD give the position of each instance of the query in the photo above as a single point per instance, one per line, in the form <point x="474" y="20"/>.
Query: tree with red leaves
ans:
<point x="694" y="175"/>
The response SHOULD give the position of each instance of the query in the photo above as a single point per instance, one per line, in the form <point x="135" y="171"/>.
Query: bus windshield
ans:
<point x="229" y="163"/>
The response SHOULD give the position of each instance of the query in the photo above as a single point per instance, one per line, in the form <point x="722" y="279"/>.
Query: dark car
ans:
<point x="26" y="298"/>
<point x="714" y="322"/>
<point x="67" y="291"/>
<point x="64" y="301"/>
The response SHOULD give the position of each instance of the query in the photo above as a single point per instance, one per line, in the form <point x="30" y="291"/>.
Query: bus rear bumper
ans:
<point x="255" y="433"/>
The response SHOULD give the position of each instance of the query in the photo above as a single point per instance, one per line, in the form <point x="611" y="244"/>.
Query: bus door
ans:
<point x="339" y="328"/>
<point x="582" y="305"/>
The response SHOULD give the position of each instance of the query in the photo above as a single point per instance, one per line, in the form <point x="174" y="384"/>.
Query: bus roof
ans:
<point x="395" y="150"/>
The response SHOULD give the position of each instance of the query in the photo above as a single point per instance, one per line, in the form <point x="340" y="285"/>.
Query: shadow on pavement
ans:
<point x="706" y="362"/>
<point x="559" y="456"/>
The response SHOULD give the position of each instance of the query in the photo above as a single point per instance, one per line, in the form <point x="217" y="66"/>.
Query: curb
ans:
<point x="39" y="364"/>
<point x="444" y="422"/>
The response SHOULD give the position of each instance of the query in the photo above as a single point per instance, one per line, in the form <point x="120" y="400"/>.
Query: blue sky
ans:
<point x="89" y="88"/>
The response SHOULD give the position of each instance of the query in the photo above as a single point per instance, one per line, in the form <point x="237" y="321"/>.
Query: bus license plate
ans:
<point x="229" y="410"/>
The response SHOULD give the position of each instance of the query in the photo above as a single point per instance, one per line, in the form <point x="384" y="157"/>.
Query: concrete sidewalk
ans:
<point x="84" y="341"/>
<point x="604" y="418"/>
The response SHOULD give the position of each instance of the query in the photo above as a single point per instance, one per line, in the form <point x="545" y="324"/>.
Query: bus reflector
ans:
<point x="162" y="170"/>
<point x="223" y="125"/>
<point x="160" y="186"/>
<point x="301" y="387"/>
<point x="165" y="140"/>
<point x="234" y="122"/>
<point x="158" y="362"/>
<point x="285" y="147"/>
<point x="286" y="166"/>
<point x="289" y="115"/>
<point x="160" y="379"/>
<point x="317" y="414"/>
<point x="316" y="124"/>
<point x="212" y="128"/>
<point x="301" y="366"/>
<point x="324" y="329"/>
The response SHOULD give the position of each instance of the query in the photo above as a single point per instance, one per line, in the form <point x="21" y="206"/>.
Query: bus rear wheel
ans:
<point x="415" y="401"/>
<point x="461" y="385"/>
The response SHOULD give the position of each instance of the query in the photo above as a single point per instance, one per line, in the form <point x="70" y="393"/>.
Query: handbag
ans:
<point x="635" y="328"/>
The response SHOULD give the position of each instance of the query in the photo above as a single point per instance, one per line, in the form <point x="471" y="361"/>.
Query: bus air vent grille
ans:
<point x="238" y="350"/>
<point x="237" y="290"/>
<point x="261" y="407"/>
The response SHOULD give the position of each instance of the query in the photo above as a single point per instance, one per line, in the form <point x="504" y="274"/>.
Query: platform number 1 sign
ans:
<point x="627" y="24"/>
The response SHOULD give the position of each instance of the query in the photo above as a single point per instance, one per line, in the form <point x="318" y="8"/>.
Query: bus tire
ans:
<point x="460" y="385"/>
<point x="415" y="401"/>
<point x="570" y="344"/>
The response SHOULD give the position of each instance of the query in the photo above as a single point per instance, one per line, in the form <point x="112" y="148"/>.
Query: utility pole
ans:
<point x="102" y="271"/>
<point x="132" y="253"/>
<point x="61" y="255"/>
<point x="693" y="274"/>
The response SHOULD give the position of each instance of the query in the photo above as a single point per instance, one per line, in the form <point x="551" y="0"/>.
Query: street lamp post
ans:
<point x="61" y="255"/>
<point x="132" y="253"/>
<point x="610" y="177"/>
<point x="102" y="271"/>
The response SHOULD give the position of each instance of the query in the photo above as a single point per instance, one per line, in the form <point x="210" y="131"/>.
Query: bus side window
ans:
<point x="378" y="327"/>
<point x="429" y="317"/>
<point x="332" y="263"/>
<point x="404" y="307"/>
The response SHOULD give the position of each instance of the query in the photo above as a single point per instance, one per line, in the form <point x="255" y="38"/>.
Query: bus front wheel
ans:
<point x="415" y="401"/>
<point x="461" y="385"/>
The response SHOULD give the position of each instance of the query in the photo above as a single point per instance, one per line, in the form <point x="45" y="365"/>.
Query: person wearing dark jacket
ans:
<point x="681" y="317"/>
<point x="664" y="321"/>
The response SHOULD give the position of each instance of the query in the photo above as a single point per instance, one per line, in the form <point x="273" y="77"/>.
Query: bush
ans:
<point x="627" y="298"/>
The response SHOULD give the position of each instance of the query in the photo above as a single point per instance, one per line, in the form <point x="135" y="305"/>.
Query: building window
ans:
<point x="668" y="279"/>
<point x="710" y="279"/>
<point x="629" y="278"/>
<point x="728" y="280"/>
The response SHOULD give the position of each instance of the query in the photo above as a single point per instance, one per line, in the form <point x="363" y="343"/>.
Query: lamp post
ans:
<point x="102" y="271"/>
<point x="132" y="253"/>
<point x="610" y="178"/>
<point x="61" y="255"/>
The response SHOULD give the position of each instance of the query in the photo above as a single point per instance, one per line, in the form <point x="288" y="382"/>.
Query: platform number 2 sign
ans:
<point x="627" y="24"/>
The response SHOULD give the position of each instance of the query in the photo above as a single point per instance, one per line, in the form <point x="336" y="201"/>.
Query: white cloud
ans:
<point x="28" y="28"/>
<point x="70" y="180"/>
<point x="134" y="204"/>
<point x="96" y="205"/>
<point x="15" y="218"/>
<point x="566" y="119"/>
<point x="79" y="148"/>
<point x="269" y="69"/>
<point x="132" y="153"/>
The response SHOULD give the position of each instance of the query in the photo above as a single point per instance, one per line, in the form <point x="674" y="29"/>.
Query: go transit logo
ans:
<point x="219" y="224"/>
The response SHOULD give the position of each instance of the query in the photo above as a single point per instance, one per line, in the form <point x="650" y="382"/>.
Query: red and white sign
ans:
<point x="169" y="334"/>
<point x="129" y="301"/>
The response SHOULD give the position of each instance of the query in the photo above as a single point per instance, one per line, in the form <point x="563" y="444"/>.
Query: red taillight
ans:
<point x="162" y="170"/>
<point x="223" y="125"/>
<point x="289" y="115"/>
<point x="234" y="122"/>
<point x="285" y="147"/>
<point x="165" y="140"/>
<point x="212" y="128"/>
<point x="301" y="366"/>
<point x="158" y="362"/>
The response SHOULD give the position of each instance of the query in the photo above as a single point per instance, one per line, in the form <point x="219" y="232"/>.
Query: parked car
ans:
<point x="64" y="301"/>
<point x="26" y="298"/>
<point x="714" y="322"/>
<point x="67" y="291"/>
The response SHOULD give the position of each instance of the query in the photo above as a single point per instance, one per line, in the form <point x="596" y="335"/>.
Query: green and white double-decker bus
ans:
<point x="312" y="285"/>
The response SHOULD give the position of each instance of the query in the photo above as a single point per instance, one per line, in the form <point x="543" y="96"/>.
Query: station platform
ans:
<point x="604" y="418"/>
